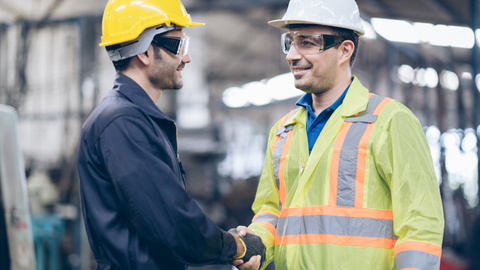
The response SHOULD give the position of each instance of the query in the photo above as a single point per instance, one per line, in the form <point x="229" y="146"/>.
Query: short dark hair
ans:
<point x="122" y="65"/>
<point x="346" y="34"/>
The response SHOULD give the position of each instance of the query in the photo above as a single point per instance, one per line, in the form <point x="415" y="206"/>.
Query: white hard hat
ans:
<point x="337" y="13"/>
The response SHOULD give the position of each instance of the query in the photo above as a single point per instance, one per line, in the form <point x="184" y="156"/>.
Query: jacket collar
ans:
<point x="355" y="101"/>
<point x="135" y="93"/>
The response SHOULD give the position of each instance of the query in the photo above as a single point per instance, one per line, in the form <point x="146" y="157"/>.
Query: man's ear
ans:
<point x="346" y="51"/>
<point x="146" y="57"/>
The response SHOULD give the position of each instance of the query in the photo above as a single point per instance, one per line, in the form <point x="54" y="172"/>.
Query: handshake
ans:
<point x="253" y="246"/>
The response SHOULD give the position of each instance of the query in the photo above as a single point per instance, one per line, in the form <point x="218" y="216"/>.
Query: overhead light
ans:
<point x="449" y="80"/>
<point x="395" y="30"/>
<point x="423" y="31"/>
<point x="369" y="32"/>
<point x="437" y="35"/>
<point x="234" y="97"/>
<point x="283" y="87"/>
<point x="466" y="75"/>
<point x="406" y="73"/>
<point x="257" y="93"/>
<point x="461" y="37"/>
<point x="477" y="81"/>
<point x="260" y="93"/>
<point x="420" y="78"/>
<point x="431" y="77"/>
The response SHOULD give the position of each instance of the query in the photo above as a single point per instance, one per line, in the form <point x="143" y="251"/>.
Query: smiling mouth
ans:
<point x="298" y="71"/>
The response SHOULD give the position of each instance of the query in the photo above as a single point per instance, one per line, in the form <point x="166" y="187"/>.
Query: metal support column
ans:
<point x="476" y="93"/>
<point x="392" y="62"/>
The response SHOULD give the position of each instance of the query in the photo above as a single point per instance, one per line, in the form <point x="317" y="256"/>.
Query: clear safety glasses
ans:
<point x="175" y="45"/>
<point x="309" y="43"/>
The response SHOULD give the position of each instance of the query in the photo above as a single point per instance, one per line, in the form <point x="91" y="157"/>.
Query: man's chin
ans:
<point x="303" y="87"/>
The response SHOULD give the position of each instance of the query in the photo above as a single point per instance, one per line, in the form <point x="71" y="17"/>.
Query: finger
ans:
<point x="257" y="264"/>
<point x="237" y="262"/>
<point x="242" y="230"/>
<point x="252" y="264"/>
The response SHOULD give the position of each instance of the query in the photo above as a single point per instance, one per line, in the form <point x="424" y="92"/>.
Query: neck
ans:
<point x="139" y="77"/>
<point x="321" y="101"/>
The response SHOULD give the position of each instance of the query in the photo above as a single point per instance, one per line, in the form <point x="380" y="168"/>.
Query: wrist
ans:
<point x="241" y="247"/>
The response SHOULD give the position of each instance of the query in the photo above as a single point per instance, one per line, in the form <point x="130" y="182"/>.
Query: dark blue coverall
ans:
<point x="137" y="212"/>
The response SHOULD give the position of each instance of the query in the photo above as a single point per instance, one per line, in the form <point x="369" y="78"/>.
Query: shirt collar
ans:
<point x="135" y="93"/>
<point x="306" y="101"/>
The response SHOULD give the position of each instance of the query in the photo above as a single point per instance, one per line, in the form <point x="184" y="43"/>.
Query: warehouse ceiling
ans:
<point x="450" y="12"/>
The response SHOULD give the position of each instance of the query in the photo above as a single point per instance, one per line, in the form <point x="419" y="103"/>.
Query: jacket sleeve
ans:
<point x="404" y="161"/>
<point x="154" y="198"/>
<point x="266" y="204"/>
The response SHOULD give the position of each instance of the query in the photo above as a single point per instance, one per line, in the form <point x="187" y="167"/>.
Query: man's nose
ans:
<point x="186" y="58"/>
<point x="293" y="54"/>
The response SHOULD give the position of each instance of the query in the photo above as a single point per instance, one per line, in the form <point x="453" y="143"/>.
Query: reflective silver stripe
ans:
<point x="277" y="153"/>
<point x="336" y="225"/>
<point x="270" y="218"/>
<point x="347" y="165"/>
<point x="416" y="259"/>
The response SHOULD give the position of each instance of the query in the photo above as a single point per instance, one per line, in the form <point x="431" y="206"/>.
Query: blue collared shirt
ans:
<point x="315" y="124"/>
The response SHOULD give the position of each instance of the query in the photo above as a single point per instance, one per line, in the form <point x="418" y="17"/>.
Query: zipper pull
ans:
<point x="303" y="166"/>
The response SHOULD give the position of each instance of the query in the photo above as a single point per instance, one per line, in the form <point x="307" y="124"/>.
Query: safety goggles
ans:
<point x="309" y="43"/>
<point x="175" y="45"/>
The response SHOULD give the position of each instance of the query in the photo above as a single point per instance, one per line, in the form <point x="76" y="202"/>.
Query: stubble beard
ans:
<point x="318" y="83"/>
<point x="163" y="77"/>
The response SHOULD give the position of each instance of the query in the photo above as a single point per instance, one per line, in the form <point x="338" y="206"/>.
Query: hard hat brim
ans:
<point x="282" y="24"/>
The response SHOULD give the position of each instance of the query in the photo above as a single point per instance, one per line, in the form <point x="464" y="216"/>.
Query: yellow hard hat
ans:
<point x="125" y="20"/>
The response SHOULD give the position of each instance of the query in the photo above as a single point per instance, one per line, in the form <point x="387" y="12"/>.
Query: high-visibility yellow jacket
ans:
<point x="365" y="198"/>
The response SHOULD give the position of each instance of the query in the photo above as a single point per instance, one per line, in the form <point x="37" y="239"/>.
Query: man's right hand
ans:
<point x="254" y="262"/>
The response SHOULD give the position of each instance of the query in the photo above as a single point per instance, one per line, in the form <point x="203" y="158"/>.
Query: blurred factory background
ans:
<point x="423" y="53"/>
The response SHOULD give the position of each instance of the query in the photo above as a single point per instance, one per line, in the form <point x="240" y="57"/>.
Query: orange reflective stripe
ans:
<point x="381" y="105"/>
<point x="269" y="226"/>
<point x="337" y="211"/>
<point x="420" y="246"/>
<point x="360" y="241"/>
<point x="332" y="197"/>
<point x="361" y="164"/>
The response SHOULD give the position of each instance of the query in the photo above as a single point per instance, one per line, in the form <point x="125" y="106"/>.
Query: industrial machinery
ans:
<point x="16" y="241"/>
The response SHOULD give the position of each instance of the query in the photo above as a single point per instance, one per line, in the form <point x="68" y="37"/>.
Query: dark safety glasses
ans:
<point x="309" y="43"/>
<point x="175" y="45"/>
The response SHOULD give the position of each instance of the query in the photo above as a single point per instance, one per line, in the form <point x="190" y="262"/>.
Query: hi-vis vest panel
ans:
<point x="344" y="221"/>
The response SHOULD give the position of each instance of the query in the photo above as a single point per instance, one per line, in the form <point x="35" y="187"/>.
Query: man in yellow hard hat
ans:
<point x="136" y="210"/>
<point x="348" y="181"/>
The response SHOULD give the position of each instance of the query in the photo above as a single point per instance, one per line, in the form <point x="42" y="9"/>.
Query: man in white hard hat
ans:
<point x="348" y="181"/>
<point x="137" y="212"/>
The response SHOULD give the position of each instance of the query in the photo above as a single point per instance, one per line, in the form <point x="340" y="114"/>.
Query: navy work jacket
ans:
<point x="136" y="209"/>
